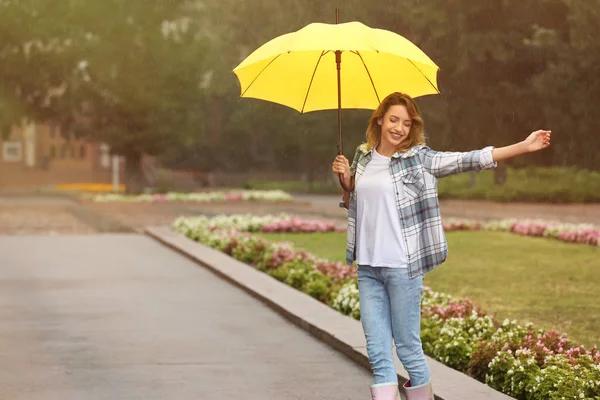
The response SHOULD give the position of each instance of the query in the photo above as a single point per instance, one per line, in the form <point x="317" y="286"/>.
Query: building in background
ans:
<point x="35" y="155"/>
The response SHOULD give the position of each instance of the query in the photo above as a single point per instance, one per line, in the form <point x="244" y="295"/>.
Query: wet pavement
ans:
<point x="122" y="317"/>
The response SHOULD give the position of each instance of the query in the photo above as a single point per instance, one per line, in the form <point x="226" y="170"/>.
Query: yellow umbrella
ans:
<point x="327" y="66"/>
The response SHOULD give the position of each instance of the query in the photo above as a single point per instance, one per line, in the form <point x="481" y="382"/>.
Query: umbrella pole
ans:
<point x="338" y="62"/>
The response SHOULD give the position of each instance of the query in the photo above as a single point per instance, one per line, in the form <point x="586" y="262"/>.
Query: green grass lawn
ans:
<point x="555" y="285"/>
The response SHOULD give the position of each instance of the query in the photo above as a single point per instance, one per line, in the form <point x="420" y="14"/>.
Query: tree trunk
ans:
<point x="135" y="181"/>
<point x="500" y="175"/>
<point x="311" y="175"/>
<point x="472" y="179"/>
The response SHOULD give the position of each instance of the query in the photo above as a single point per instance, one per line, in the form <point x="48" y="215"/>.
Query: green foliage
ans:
<point x="513" y="375"/>
<point x="570" y="83"/>
<point x="104" y="70"/>
<point x="299" y="273"/>
<point x="249" y="249"/>
<point x="430" y="331"/>
<point x="319" y="286"/>
<point x="454" y="344"/>
<point x="518" y="375"/>
<point x="533" y="184"/>
<point x="347" y="300"/>
<point x="155" y="77"/>
<point x="280" y="273"/>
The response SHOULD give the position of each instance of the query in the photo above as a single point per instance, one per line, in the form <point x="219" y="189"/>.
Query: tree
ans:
<point x="140" y="90"/>
<point x="570" y="86"/>
<point x="252" y="132"/>
<point x="128" y="74"/>
<point x="38" y="52"/>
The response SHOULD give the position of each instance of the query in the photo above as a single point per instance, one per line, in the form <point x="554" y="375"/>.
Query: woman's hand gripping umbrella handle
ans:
<point x="341" y="167"/>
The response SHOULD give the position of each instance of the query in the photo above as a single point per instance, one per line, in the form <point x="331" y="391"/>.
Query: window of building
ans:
<point x="52" y="130"/>
<point x="12" y="151"/>
<point x="63" y="151"/>
<point x="52" y="151"/>
<point x="72" y="150"/>
<point x="82" y="152"/>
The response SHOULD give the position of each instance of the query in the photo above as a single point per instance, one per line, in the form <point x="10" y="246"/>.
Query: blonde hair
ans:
<point x="416" y="135"/>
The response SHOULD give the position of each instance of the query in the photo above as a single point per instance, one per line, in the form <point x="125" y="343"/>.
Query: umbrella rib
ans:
<point x="311" y="80"/>
<point x="424" y="76"/>
<point x="259" y="74"/>
<point x="370" y="77"/>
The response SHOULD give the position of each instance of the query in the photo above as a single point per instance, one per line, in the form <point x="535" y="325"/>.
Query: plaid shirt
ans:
<point x="419" y="211"/>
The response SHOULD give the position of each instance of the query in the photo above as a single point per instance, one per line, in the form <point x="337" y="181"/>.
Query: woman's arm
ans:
<point x="346" y="196"/>
<point x="446" y="163"/>
<point x="441" y="164"/>
<point x="538" y="140"/>
<point x="342" y="168"/>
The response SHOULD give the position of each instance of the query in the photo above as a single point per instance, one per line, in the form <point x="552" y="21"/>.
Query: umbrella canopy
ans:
<point x="299" y="69"/>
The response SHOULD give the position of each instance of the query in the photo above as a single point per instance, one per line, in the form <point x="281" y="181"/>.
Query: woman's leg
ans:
<point x="405" y="303"/>
<point x="376" y="322"/>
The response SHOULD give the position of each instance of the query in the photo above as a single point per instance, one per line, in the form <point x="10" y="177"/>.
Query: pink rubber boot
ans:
<point x="385" y="391"/>
<point x="422" y="392"/>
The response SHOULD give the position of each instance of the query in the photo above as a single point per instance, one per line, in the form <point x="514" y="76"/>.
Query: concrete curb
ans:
<point x="337" y="330"/>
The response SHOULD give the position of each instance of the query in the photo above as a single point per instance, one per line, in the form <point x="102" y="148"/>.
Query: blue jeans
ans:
<point x="390" y="306"/>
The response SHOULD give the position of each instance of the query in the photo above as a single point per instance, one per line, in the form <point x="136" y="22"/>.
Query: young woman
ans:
<point x="395" y="232"/>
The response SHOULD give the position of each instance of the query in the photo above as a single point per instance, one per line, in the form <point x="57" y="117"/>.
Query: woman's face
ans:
<point x="395" y="125"/>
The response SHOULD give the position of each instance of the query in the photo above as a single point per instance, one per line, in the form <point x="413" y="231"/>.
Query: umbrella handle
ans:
<point x="338" y="62"/>
<point x="347" y="189"/>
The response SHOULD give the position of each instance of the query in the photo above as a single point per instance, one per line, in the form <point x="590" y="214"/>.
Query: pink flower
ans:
<point x="529" y="228"/>
<point x="233" y="196"/>
<point x="584" y="236"/>
<point x="337" y="271"/>
<point x="296" y="224"/>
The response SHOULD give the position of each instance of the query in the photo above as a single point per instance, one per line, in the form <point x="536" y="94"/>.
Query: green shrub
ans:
<point x="249" y="249"/>
<point x="533" y="184"/>
<point x="430" y="331"/>
<point x="347" y="301"/>
<point x="280" y="273"/>
<point x="318" y="286"/>
<point x="299" y="274"/>
<point x="513" y="374"/>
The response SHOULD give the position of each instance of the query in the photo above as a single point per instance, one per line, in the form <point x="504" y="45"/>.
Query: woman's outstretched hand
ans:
<point x="341" y="167"/>
<point x="538" y="140"/>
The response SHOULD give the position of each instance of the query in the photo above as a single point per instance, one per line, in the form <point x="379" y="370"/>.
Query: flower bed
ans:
<point x="573" y="233"/>
<point x="198" y="197"/>
<point x="282" y="223"/>
<point x="519" y="360"/>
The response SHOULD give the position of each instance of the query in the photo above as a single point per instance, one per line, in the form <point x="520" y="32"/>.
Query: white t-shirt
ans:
<point x="379" y="239"/>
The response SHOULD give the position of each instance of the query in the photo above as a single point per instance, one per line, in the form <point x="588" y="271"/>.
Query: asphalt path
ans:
<point x="118" y="316"/>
